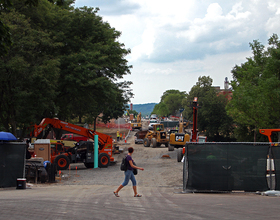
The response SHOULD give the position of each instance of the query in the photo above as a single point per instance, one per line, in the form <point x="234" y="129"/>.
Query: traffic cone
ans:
<point x="124" y="137"/>
<point x="60" y="175"/>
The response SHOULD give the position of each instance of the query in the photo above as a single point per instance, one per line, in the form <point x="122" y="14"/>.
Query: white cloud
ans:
<point x="274" y="6"/>
<point x="158" y="71"/>
<point x="173" y="43"/>
<point x="215" y="25"/>
<point x="146" y="47"/>
<point x="214" y="11"/>
<point x="164" y="11"/>
<point x="273" y="24"/>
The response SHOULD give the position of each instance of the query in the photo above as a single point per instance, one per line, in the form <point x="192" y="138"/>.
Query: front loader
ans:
<point x="156" y="137"/>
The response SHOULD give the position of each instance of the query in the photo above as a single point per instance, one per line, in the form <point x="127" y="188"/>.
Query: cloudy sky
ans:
<point x="174" y="42"/>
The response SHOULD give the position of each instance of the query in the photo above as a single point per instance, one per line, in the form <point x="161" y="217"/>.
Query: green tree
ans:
<point x="91" y="61"/>
<point x="170" y="103"/>
<point x="28" y="75"/>
<point x="134" y="112"/>
<point x="256" y="89"/>
<point x="115" y="105"/>
<point x="212" y="117"/>
<point x="5" y="34"/>
<point x="202" y="87"/>
<point x="160" y="109"/>
<point x="64" y="63"/>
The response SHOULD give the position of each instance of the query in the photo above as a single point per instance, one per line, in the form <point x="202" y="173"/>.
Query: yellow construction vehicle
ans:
<point x="178" y="138"/>
<point x="156" y="137"/>
<point x="136" y="123"/>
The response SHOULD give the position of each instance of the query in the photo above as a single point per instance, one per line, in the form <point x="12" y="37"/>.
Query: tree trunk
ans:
<point x="80" y="119"/>
<point x="94" y="124"/>
<point x="255" y="135"/>
<point x="14" y="127"/>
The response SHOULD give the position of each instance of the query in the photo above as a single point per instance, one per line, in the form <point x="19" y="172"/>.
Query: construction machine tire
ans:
<point x="103" y="160"/>
<point x="179" y="154"/>
<point x="146" y="142"/>
<point x="166" y="144"/>
<point x="43" y="175"/>
<point x="70" y="158"/>
<point x="62" y="162"/>
<point x="170" y="147"/>
<point x="89" y="165"/>
<point x="154" y="143"/>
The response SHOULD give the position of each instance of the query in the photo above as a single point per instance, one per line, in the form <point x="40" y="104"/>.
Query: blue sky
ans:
<point x="174" y="42"/>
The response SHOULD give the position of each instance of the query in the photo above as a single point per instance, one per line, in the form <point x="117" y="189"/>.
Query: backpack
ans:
<point x="124" y="164"/>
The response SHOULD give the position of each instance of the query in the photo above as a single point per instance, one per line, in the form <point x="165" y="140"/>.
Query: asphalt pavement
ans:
<point x="57" y="201"/>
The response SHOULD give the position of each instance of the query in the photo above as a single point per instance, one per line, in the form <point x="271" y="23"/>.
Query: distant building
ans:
<point x="227" y="92"/>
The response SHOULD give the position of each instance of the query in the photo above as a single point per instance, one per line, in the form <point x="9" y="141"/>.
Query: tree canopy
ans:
<point x="5" y="33"/>
<point x="170" y="103"/>
<point x="212" y="117"/>
<point x="63" y="62"/>
<point x="256" y="88"/>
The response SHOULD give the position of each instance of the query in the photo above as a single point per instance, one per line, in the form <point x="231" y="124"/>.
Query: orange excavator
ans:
<point x="105" y="142"/>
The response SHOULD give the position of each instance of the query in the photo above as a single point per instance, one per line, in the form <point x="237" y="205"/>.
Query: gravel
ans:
<point x="161" y="168"/>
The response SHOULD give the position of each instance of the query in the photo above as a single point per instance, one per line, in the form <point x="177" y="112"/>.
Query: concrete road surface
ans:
<point x="98" y="202"/>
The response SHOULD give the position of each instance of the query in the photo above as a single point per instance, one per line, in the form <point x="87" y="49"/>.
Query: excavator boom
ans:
<point x="268" y="132"/>
<point x="139" y="118"/>
<point x="105" y="141"/>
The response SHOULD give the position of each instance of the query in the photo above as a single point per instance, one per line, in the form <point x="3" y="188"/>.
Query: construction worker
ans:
<point x="121" y="136"/>
<point x="118" y="135"/>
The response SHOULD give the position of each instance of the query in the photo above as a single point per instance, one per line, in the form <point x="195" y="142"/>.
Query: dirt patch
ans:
<point x="161" y="167"/>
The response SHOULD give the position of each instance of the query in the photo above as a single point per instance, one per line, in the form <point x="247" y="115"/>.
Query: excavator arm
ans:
<point x="181" y="124"/>
<point x="268" y="132"/>
<point x="139" y="118"/>
<point x="105" y="141"/>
